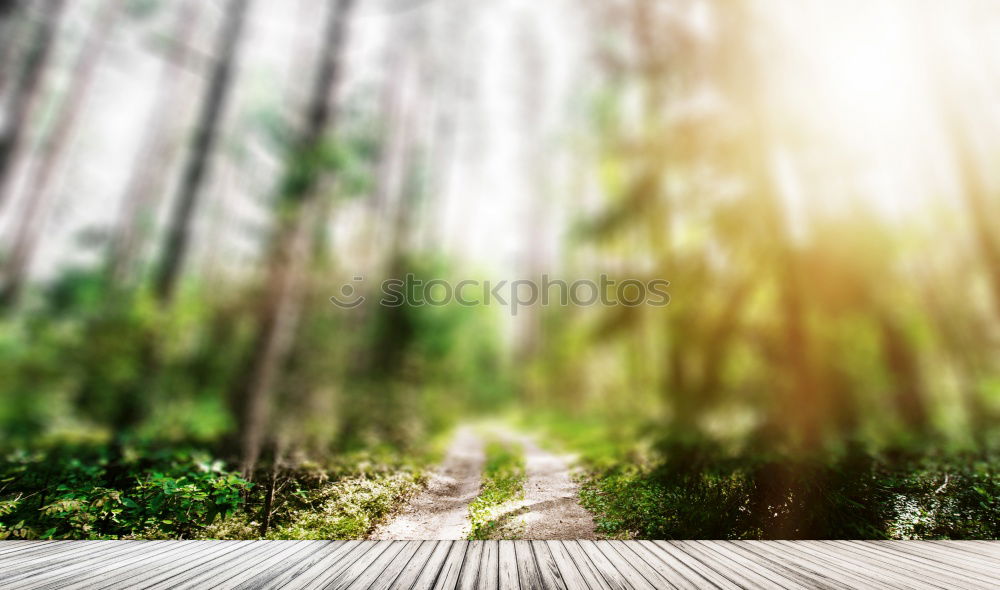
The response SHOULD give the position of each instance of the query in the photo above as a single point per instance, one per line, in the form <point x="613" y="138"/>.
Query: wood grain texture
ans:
<point x="495" y="565"/>
<point x="508" y="567"/>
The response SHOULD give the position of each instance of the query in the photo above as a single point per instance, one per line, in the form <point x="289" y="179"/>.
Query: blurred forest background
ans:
<point x="185" y="183"/>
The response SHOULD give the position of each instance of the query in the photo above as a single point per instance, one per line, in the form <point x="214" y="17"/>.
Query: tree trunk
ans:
<point x="904" y="370"/>
<point x="10" y="11"/>
<point x="205" y="135"/>
<point x="145" y="185"/>
<point x="26" y="86"/>
<point x="51" y="153"/>
<point x="977" y="201"/>
<point x="279" y="309"/>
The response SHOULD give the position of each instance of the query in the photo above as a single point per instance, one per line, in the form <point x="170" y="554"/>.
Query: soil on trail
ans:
<point x="548" y="510"/>
<point x="550" y="498"/>
<point x="441" y="511"/>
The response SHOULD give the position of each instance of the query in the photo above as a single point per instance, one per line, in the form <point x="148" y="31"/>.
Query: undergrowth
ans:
<point x="96" y="493"/>
<point x="503" y="483"/>
<point x="654" y="488"/>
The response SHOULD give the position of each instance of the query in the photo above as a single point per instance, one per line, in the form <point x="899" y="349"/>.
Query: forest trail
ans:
<point x="548" y="510"/>
<point x="550" y="497"/>
<point x="441" y="511"/>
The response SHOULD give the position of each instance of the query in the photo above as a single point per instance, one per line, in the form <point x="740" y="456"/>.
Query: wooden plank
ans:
<point x="507" y="566"/>
<point x="307" y="575"/>
<point x="987" y="549"/>
<point x="468" y="578"/>
<point x="396" y="566"/>
<point x="840" y="561"/>
<point x="733" y="573"/>
<point x="411" y="571"/>
<point x="595" y="579"/>
<point x="429" y="573"/>
<point x="77" y="565"/>
<point x="677" y="575"/>
<point x="971" y="556"/>
<point x="261" y="570"/>
<point x="37" y="548"/>
<point x="527" y="569"/>
<point x="629" y="559"/>
<point x="953" y="552"/>
<point x="678" y="556"/>
<point x="902" y="570"/>
<point x="64" y="551"/>
<point x="71" y="578"/>
<point x="382" y="564"/>
<point x="885" y="553"/>
<point x="215" y="558"/>
<point x="77" y="554"/>
<point x="489" y="566"/>
<point x="319" y="576"/>
<point x="20" y="546"/>
<point x="260" y="573"/>
<point x="570" y="573"/>
<point x="752" y="568"/>
<point x="220" y="566"/>
<point x="299" y="564"/>
<point x="548" y="569"/>
<point x="800" y="564"/>
<point x="452" y="566"/>
<point x="632" y="575"/>
<point x="23" y="547"/>
<point x="15" y="546"/>
<point x="342" y="576"/>
<point x="545" y="565"/>
<point x="779" y="568"/>
<point x="611" y="575"/>
<point x="973" y="565"/>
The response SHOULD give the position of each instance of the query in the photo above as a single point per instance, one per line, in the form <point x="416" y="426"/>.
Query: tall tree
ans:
<point x="144" y="189"/>
<point x="278" y="313"/>
<point x="196" y="167"/>
<point x="10" y="10"/>
<point x="18" y="109"/>
<point x="50" y="154"/>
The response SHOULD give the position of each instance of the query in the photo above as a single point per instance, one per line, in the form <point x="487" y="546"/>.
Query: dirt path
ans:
<point x="550" y="497"/>
<point x="441" y="511"/>
<point x="549" y="510"/>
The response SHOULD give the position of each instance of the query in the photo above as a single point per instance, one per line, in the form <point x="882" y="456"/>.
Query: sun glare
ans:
<point x="856" y="95"/>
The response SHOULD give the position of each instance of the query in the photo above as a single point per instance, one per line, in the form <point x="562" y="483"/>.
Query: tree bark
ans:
<point x="51" y="153"/>
<point x="904" y="369"/>
<point x="279" y="309"/>
<point x="196" y="167"/>
<point x="22" y="99"/>
<point x="145" y="185"/>
<point x="10" y="11"/>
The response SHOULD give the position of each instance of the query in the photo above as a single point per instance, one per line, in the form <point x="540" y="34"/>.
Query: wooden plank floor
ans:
<point x="498" y="565"/>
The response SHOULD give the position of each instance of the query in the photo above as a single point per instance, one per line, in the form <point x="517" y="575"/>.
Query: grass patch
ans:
<point x="679" y="490"/>
<point x="856" y="496"/>
<point x="503" y="483"/>
<point x="342" y="501"/>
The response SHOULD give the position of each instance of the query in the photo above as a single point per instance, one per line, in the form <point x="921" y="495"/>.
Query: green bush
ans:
<point x="856" y="496"/>
<point x="85" y="494"/>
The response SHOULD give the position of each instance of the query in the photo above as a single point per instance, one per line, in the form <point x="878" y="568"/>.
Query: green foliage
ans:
<point x="93" y="493"/>
<point x="503" y="483"/>
<point x="342" y="500"/>
<point x="349" y="508"/>
<point x="857" y="496"/>
<point x="118" y="366"/>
